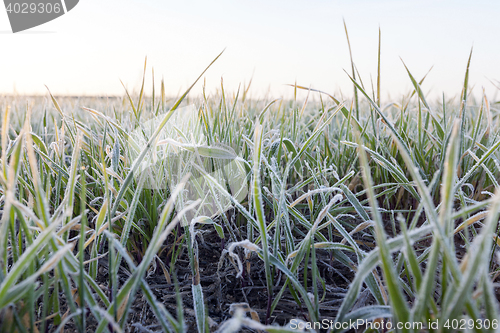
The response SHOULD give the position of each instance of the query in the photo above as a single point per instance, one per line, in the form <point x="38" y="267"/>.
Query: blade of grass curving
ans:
<point x="259" y="212"/>
<point x="41" y="203"/>
<point x="124" y="236"/>
<point x="416" y="85"/>
<point x="23" y="262"/>
<point x="387" y="122"/>
<point x="81" y="245"/>
<point x="14" y="293"/>
<point x="478" y="164"/>
<point x="356" y="101"/>
<point x="162" y="230"/>
<point x="368" y="313"/>
<point x="463" y="106"/>
<point x="98" y="224"/>
<point x="355" y="203"/>
<point x="5" y="139"/>
<point x="199" y="307"/>
<point x="63" y="117"/>
<point x="477" y="261"/>
<point x="449" y="175"/>
<point x="490" y="301"/>
<point x="371" y="260"/>
<point x="398" y="303"/>
<point x="344" y="110"/>
<point x="392" y="167"/>
<point x="158" y="308"/>
<point x="72" y="181"/>
<point x="314" y="136"/>
<point x="12" y="174"/>
<point x="411" y="256"/>
<point x="439" y="246"/>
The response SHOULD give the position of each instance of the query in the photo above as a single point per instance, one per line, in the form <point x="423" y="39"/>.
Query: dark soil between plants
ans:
<point x="221" y="288"/>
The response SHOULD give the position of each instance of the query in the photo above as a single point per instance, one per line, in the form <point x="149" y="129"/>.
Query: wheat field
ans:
<point x="223" y="212"/>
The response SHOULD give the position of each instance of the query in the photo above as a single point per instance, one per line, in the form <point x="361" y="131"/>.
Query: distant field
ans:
<point x="145" y="213"/>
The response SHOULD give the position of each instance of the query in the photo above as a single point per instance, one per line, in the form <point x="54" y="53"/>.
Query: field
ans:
<point x="144" y="213"/>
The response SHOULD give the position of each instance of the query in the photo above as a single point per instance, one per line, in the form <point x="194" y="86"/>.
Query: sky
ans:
<point x="89" y="50"/>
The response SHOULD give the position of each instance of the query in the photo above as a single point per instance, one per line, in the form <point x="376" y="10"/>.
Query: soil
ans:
<point x="221" y="288"/>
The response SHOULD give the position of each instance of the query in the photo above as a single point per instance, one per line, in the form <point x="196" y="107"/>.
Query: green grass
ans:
<point x="401" y="195"/>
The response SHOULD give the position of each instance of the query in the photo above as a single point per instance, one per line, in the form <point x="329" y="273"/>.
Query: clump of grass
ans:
<point x="394" y="203"/>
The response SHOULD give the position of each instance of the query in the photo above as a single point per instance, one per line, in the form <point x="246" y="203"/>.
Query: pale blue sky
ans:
<point x="88" y="50"/>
